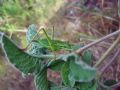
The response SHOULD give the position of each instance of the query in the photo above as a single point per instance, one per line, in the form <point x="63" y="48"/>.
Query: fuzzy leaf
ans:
<point x="87" y="57"/>
<point x="35" y="49"/>
<point x="87" y="85"/>
<point x="56" y="65"/>
<point x="32" y="31"/>
<point x="62" y="88"/>
<point x="26" y="63"/>
<point x="80" y="71"/>
<point x="41" y="80"/>
<point x="65" y="75"/>
<point x="20" y="59"/>
<point x="67" y="57"/>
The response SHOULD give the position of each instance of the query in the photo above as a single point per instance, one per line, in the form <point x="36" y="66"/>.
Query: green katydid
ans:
<point x="53" y="45"/>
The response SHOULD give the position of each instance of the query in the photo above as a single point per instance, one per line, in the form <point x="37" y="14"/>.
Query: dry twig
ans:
<point x="112" y="60"/>
<point x="107" y="52"/>
<point x="96" y="42"/>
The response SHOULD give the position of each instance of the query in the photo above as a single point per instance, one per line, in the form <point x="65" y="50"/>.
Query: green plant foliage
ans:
<point x="11" y="8"/>
<point x="87" y="57"/>
<point x="26" y="63"/>
<point x="13" y="13"/>
<point x="75" y="73"/>
<point x="75" y="70"/>
<point x="20" y="13"/>
<point x="86" y="85"/>
<point x="56" y="65"/>
<point x="23" y="61"/>
<point x="65" y="75"/>
<point x="35" y="49"/>
<point x="41" y="80"/>
<point x="39" y="45"/>
<point x="62" y="88"/>
<point x="81" y="71"/>
<point x="31" y="32"/>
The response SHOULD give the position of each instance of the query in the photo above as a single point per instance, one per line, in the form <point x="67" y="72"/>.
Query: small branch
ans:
<point x="23" y="30"/>
<point x="109" y="63"/>
<point x="97" y="41"/>
<point x="108" y="52"/>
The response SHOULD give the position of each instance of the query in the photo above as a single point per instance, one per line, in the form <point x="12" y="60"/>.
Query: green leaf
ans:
<point x="62" y="88"/>
<point x="41" y="80"/>
<point x="67" y="80"/>
<point x="32" y="31"/>
<point x="21" y="60"/>
<point x="87" y="57"/>
<point x="56" y="65"/>
<point x="81" y="71"/>
<point x="87" y="85"/>
<point x="67" y="57"/>
<point x="35" y="49"/>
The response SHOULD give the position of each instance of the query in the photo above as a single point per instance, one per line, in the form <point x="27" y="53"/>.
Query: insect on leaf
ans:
<point x="35" y="48"/>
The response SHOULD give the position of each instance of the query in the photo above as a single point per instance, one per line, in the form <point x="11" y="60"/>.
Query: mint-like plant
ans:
<point x="75" y="73"/>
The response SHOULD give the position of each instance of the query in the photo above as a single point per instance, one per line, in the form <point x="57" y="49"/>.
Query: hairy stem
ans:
<point x="46" y="56"/>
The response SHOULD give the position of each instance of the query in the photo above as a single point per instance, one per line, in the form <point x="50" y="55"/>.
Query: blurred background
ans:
<point x="76" y="21"/>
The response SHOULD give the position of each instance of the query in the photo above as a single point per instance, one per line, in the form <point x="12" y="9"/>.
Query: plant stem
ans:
<point x="97" y="41"/>
<point x="45" y="56"/>
<point x="108" y="52"/>
<point x="109" y="63"/>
